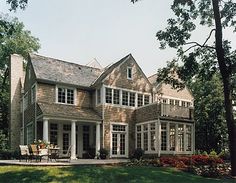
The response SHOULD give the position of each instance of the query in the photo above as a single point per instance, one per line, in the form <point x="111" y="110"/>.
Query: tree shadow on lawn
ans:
<point x="101" y="174"/>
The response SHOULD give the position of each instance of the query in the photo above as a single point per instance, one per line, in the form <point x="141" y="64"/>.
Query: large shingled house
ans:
<point x="118" y="108"/>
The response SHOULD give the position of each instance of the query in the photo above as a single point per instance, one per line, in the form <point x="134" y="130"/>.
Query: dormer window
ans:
<point x="65" y="95"/>
<point x="129" y="73"/>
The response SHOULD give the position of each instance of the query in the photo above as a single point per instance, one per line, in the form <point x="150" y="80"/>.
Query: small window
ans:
<point x="188" y="104"/>
<point x="65" y="95"/>
<point x="29" y="72"/>
<point x="108" y="95"/>
<point x="129" y="72"/>
<point x="183" y="104"/>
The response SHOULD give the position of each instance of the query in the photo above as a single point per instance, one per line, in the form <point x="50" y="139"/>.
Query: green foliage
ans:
<point x="3" y="141"/>
<point x="15" y="4"/>
<point x="138" y="153"/>
<point x="100" y="174"/>
<point x="13" y="39"/>
<point x="211" y="130"/>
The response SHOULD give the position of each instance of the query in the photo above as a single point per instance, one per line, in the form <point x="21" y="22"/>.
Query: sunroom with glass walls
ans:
<point x="165" y="137"/>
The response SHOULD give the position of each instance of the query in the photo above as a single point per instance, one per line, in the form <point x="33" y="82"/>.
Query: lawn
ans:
<point x="101" y="174"/>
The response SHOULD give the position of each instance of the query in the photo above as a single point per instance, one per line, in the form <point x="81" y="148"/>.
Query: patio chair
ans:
<point x="24" y="152"/>
<point x="66" y="156"/>
<point x="34" y="152"/>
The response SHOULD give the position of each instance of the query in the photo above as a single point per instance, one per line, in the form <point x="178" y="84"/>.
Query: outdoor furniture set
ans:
<point x="33" y="151"/>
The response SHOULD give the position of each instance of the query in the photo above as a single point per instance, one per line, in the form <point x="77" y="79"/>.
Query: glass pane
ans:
<point x="146" y="99"/>
<point x="70" y="96"/>
<point x="131" y="99"/>
<point x="108" y="95"/>
<point x="124" y="98"/>
<point x="140" y="100"/>
<point x="61" y="95"/>
<point x="114" y="144"/>
<point x="116" y="96"/>
<point x="122" y="144"/>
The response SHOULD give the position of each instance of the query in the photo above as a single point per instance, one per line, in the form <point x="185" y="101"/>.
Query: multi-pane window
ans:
<point x="183" y="104"/>
<point x="164" y="101"/>
<point x="172" y="102"/>
<point x="33" y="94"/>
<point x="139" y="136"/>
<point x="145" y="137"/>
<point x="129" y="73"/>
<point x="98" y="96"/>
<point x="140" y="100"/>
<point x="188" y="104"/>
<point x="125" y="97"/>
<point x="132" y="99"/>
<point x="163" y="136"/>
<point x="108" y="95"/>
<point x="67" y="127"/>
<point x="116" y="96"/>
<point x="172" y="137"/>
<point x="181" y="137"/>
<point x="152" y="136"/>
<point x="177" y="102"/>
<point x="65" y="95"/>
<point x="70" y="96"/>
<point x="189" y="137"/>
<point x="29" y="133"/>
<point x="119" y="128"/>
<point x="85" y="137"/>
<point x="53" y="133"/>
<point x="146" y="99"/>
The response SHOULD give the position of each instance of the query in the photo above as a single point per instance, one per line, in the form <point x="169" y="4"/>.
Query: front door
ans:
<point x="119" y="141"/>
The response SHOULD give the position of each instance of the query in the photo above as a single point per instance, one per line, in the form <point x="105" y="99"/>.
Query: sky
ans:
<point x="81" y="30"/>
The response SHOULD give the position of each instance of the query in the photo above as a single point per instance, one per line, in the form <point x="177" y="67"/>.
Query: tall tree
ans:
<point x="13" y="39"/>
<point x="211" y="130"/>
<point x="217" y="15"/>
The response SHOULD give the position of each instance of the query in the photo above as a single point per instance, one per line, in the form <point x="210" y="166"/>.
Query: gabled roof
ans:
<point x="58" y="71"/>
<point x="153" y="79"/>
<point x="110" y="68"/>
<point x="95" y="64"/>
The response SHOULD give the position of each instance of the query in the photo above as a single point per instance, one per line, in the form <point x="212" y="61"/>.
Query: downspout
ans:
<point x="23" y="116"/>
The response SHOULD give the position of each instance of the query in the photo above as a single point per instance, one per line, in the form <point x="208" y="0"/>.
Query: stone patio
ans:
<point x="78" y="162"/>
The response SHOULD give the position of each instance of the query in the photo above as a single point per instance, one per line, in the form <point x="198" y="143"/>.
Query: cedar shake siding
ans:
<point x="129" y="109"/>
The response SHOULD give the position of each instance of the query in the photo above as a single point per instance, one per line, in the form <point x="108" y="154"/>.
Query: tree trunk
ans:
<point x="225" y="73"/>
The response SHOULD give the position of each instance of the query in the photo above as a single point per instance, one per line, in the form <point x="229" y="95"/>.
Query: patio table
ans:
<point x="53" y="153"/>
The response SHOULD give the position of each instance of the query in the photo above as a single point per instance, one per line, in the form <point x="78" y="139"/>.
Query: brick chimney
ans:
<point x="16" y="88"/>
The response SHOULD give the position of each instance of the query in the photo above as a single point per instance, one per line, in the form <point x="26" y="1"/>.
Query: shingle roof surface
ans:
<point x="54" y="70"/>
<point x="69" y="111"/>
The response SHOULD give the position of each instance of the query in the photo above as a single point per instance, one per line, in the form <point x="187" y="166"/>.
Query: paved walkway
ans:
<point x="78" y="162"/>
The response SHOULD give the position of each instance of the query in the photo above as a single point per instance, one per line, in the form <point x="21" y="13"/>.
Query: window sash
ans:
<point x="108" y="95"/>
<point x="116" y="96"/>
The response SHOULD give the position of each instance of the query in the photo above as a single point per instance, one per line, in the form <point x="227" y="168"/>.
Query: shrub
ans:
<point x="9" y="154"/>
<point x="213" y="154"/>
<point x="138" y="153"/>
<point x="103" y="153"/>
<point x="225" y="155"/>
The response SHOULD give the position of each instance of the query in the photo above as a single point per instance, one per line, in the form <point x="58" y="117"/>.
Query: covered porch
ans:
<point x="79" y="129"/>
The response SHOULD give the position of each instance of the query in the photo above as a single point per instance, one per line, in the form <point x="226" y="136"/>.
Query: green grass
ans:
<point x="103" y="174"/>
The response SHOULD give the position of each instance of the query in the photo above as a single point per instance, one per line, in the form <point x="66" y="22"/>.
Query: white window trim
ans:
<point x="126" y="140"/>
<point x="157" y="150"/>
<point x="71" y="88"/>
<point x="121" y="97"/>
<point x="127" y="71"/>
<point x="96" y="95"/>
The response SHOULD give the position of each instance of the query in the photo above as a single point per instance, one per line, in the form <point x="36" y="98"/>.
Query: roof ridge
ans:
<point x="67" y="62"/>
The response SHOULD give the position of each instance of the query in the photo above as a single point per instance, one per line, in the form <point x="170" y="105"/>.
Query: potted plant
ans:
<point x="103" y="153"/>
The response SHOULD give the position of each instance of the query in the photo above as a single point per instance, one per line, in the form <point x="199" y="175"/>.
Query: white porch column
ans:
<point x="97" y="138"/>
<point x="159" y="137"/>
<point x="73" y="140"/>
<point x="45" y="129"/>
